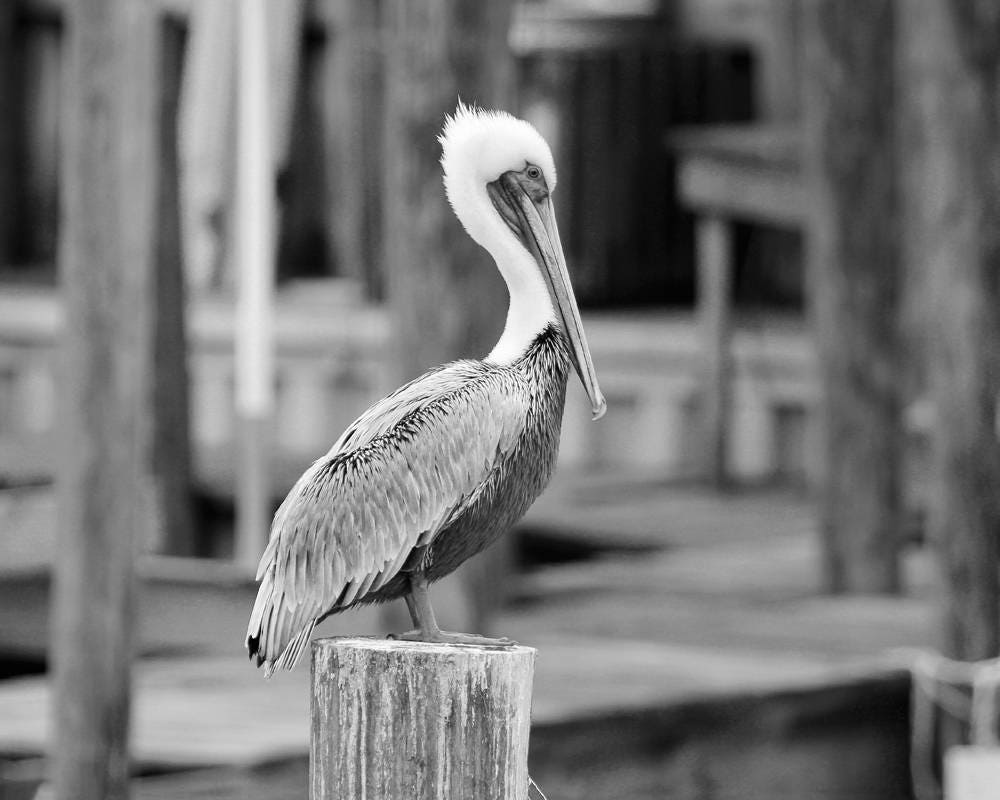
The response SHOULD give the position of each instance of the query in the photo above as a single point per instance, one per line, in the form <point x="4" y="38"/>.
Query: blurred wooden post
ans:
<point x="254" y="340"/>
<point x="951" y="137"/>
<point x="206" y="128"/>
<point x="171" y="427"/>
<point x="414" y="721"/>
<point x="106" y="263"/>
<point x="8" y="130"/>
<point x="352" y="122"/>
<point x="285" y="22"/>
<point x="445" y="295"/>
<point x="715" y="280"/>
<point x="778" y="93"/>
<point x="854" y="270"/>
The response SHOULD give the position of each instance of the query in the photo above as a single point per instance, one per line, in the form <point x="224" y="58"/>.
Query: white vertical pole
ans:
<point x="254" y="346"/>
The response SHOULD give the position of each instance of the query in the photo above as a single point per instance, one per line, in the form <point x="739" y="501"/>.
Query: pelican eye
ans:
<point x="533" y="172"/>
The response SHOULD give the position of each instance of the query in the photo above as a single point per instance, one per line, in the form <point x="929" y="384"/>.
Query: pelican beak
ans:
<point x="531" y="216"/>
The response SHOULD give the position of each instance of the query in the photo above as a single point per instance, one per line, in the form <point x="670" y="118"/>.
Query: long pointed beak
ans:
<point x="542" y="234"/>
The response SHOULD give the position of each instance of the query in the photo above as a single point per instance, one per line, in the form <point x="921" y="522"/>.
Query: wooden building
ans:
<point x="607" y="85"/>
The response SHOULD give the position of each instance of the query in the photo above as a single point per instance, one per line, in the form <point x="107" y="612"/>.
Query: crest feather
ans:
<point x="481" y="144"/>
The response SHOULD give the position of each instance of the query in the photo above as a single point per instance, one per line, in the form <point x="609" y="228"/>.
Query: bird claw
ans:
<point x="449" y="637"/>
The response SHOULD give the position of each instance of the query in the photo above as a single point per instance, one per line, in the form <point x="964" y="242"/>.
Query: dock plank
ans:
<point x="218" y="712"/>
<point x="725" y="603"/>
<point x="189" y="712"/>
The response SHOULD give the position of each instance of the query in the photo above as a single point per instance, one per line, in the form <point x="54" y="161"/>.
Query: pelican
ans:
<point x="430" y="475"/>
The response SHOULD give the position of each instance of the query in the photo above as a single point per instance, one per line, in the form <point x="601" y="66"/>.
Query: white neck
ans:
<point x="477" y="147"/>
<point x="530" y="309"/>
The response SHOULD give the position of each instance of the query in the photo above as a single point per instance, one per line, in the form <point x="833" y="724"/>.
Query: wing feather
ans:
<point x="395" y="478"/>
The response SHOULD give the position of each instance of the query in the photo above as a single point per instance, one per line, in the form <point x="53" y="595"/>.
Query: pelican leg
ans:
<point x="418" y="601"/>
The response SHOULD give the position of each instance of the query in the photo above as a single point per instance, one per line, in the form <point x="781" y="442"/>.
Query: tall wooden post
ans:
<point x="352" y="120"/>
<point x="446" y="297"/>
<point x="8" y="19"/>
<point x="854" y="270"/>
<point x="951" y="80"/>
<point x="715" y="280"/>
<point x="414" y="721"/>
<point x="171" y="428"/>
<point x="106" y="263"/>
<point x="206" y="129"/>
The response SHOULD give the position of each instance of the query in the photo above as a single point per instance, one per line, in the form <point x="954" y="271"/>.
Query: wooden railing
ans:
<point x="332" y="363"/>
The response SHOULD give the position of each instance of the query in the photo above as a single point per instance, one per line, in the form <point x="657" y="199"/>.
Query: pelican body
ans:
<point x="436" y="471"/>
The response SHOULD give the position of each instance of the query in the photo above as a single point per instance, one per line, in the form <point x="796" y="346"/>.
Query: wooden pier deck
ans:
<point x="706" y="596"/>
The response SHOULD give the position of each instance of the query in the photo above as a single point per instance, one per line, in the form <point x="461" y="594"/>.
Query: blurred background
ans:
<point x="770" y="571"/>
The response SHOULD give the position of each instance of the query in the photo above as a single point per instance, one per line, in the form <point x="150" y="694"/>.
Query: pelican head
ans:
<point x="499" y="176"/>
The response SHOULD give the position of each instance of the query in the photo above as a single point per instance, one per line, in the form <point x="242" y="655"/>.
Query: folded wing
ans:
<point x="391" y="482"/>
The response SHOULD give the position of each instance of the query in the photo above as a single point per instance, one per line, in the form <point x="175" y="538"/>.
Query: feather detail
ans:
<point x="353" y="519"/>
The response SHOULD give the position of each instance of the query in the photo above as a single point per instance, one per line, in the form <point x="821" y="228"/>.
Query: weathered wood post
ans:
<point x="414" y="721"/>
<point x="951" y="147"/>
<point x="106" y="264"/>
<point x="855" y="280"/>
<point x="352" y="120"/>
<point x="8" y="38"/>
<point x="715" y="277"/>
<point x="445" y="297"/>
<point x="173" y="502"/>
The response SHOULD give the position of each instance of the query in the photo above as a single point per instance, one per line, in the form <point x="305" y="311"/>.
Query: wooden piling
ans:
<point x="950" y="78"/>
<point x="173" y="502"/>
<point x="855" y="277"/>
<point x="108" y="192"/>
<point x="394" y="720"/>
<point x="8" y="131"/>
<point x="715" y="278"/>
<point x="445" y="298"/>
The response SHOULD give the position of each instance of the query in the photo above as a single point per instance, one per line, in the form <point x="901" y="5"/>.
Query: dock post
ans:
<point x="715" y="280"/>
<point x="394" y="720"/>
<point x="855" y="281"/>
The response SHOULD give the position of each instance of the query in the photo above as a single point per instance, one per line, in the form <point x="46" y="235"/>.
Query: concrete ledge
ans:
<point x="840" y="741"/>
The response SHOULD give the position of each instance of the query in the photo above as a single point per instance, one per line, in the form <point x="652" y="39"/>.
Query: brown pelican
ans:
<point x="436" y="471"/>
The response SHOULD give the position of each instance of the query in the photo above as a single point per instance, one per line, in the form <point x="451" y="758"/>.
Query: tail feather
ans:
<point x="293" y="652"/>
<point x="260" y="606"/>
<point x="269" y="626"/>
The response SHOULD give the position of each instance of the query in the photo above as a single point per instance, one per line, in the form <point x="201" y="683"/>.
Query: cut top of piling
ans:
<point x="401" y="647"/>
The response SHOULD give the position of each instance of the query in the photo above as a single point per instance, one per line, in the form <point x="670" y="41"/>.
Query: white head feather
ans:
<point x="478" y="146"/>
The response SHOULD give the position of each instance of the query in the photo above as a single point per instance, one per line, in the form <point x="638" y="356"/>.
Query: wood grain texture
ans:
<point x="206" y="131"/>
<point x="173" y="503"/>
<point x="414" y="721"/>
<point x="351" y="110"/>
<point x="8" y="66"/>
<point x="951" y="146"/>
<point x="107" y="256"/>
<point x="446" y="297"/>
<point x="855" y="278"/>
